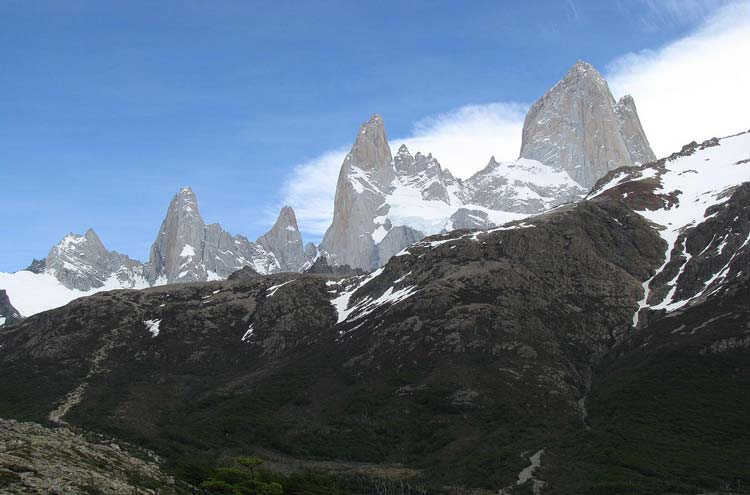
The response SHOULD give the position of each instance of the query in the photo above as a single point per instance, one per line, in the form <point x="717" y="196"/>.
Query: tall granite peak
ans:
<point x="371" y="152"/>
<point x="366" y="177"/>
<point x="176" y="253"/>
<point x="285" y="241"/>
<point x="578" y="127"/>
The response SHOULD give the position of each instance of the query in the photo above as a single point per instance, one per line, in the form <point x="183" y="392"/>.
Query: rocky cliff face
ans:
<point x="285" y="241"/>
<point x="8" y="314"/>
<point x="177" y="252"/>
<point x="578" y="127"/>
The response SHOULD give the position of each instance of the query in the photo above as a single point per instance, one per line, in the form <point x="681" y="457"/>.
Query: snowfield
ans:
<point x="32" y="293"/>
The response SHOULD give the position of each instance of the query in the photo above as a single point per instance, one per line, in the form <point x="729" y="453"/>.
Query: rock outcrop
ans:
<point x="322" y="267"/>
<point x="243" y="274"/>
<point x="8" y="314"/>
<point x="35" y="459"/>
<point x="578" y="127"/>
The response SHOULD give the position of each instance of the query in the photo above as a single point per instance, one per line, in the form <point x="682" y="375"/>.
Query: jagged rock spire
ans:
<point x="578" y="127"/>
<point x="632" y="131"/>
<point x="365" y="178"/>
<point x="285" y="241"/>
<point x="371" y="151"/>
<point x="177" y="251"/>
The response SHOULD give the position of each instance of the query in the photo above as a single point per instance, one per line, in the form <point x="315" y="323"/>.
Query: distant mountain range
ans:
<point x="572" y="136"/>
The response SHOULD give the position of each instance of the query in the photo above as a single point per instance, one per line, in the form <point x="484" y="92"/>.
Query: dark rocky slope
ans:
<point x="485" y="361"/>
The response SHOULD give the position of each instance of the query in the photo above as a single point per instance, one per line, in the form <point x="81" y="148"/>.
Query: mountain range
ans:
<point x="572" y="136"/>
<point x="571" y="322"/>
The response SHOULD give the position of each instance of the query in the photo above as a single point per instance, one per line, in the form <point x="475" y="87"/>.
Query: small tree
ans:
<point x="251" y="463"/>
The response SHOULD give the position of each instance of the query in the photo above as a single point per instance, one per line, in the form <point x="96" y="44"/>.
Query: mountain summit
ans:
<point x="578" y="127"/>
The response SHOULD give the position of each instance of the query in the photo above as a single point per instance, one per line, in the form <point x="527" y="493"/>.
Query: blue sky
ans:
<point x="107" y="108"/>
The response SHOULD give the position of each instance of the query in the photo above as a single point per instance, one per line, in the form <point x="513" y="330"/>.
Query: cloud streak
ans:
<point x="694" y="88"/>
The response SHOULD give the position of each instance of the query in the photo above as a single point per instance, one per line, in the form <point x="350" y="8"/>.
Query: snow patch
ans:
<point x="249" y="333"/>
<point x="272" y="290"/>
<point x="32" y="293"/>
<point x="152" y="326"/>
<point x="187" y="251"/>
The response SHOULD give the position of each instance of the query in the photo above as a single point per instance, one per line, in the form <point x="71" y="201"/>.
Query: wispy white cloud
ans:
<point x="654" y="15"/>
<point x="462" y="140"/>
<point x="694" y="88"/>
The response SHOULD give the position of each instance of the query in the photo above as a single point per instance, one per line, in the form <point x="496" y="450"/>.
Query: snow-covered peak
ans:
<point x="584" y="69"/>
<point x="82" y="262"/>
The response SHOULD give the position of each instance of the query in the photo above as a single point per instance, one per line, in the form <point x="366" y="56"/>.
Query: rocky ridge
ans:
<point x="81" y="262"/>
<point x="431" y="315"/>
